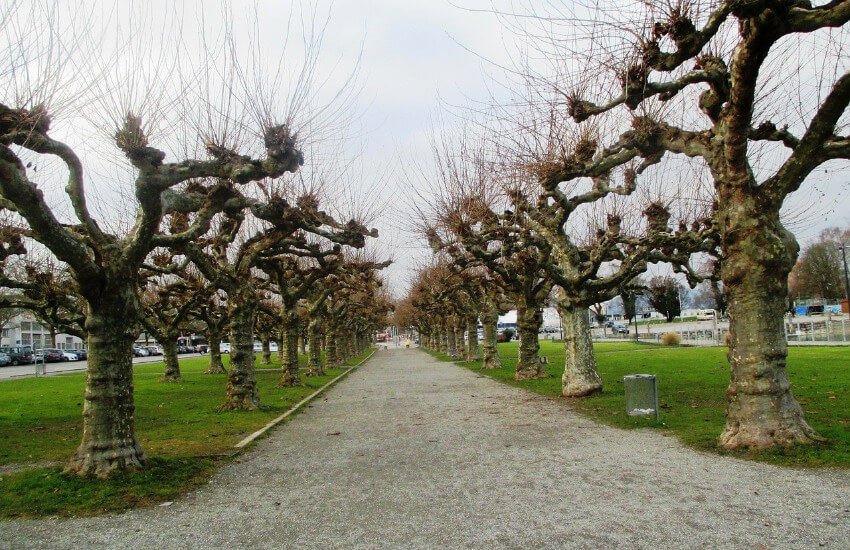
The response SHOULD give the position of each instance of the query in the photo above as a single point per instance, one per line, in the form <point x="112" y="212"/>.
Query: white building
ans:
<point x="25" y="330"/>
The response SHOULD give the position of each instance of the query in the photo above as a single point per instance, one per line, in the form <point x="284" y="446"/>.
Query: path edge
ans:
<point x="300" y="404"/>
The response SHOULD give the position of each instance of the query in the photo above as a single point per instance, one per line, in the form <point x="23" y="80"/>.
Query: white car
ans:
<point x="224" y="347"/>
<point x="69" y="356"/>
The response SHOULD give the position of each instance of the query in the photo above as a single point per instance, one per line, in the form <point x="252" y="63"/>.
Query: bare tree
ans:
<point x="720" y="59"/>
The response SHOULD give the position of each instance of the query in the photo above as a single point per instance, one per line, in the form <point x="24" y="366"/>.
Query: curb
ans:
<point x="298" y="405"/>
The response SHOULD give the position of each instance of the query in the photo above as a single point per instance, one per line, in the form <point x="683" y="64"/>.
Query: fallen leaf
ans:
<point x="334" y="433"/>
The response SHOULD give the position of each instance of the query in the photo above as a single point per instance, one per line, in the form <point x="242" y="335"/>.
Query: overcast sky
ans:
<point x="415" y="58"/>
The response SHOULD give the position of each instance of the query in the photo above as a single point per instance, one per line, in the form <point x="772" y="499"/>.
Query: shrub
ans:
<point x="506" y="335"/>
<point x="671" y="339"/>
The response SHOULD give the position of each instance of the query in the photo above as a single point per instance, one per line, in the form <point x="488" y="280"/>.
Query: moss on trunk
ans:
<point x="528" y="321"/>
<point x="109" y="439"/>
<point x="172" y="362"/>
<point x="241" y="389"/>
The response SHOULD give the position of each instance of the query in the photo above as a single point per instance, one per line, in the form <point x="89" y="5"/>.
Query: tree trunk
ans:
<point x="459" y="328"/>
<point x="332" y="349"/>
<point x="451" y="340"/>
<point x="169" y="357"/>
<point x="302" y="343"/>
<point x="528" y="321"/>
<point x="241" y="391"/>
<point x="109" y="438"/>
<point x="580" y="374"/>
<point x="290" y="375"/>
<point x="281" y="348"/>
<point x="472" y="353"/>
<point x="314" y="336"/>
<point x="490" y="320"/>
<point x="216" y="365"/>
<point x="266" y="358"/>
<point x="759" y="254"/>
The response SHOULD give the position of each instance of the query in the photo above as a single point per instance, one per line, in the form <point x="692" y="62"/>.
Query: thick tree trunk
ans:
<point x="290" y="375"/>
<point x="332" y="349"/>
<point x="490" y="320"/>
<point x="314" y="337"/>
<point x="241" y="390"/>
<point x="169" y="357"/>
<point x="759" y="254"/>
<point x="216" y="364"/>
<point x="266" y="357"/>
<point x="281" y="348"/>
<point x="528" y="321"/>
<point x="109" y="438"/>
<point x="472" y="353"/>
<point x="580" y="374"/>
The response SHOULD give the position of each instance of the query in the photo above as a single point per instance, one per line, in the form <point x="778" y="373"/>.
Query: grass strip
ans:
<point x="692" y="386"/>
<point x="184" y="435"/>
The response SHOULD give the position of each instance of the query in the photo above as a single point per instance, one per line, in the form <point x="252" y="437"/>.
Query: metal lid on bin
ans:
<point x="638" y="376"/>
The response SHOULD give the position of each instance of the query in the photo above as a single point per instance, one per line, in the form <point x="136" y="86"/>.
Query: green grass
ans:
<point x="692" y="384"/>
<point x="178" y="425"/>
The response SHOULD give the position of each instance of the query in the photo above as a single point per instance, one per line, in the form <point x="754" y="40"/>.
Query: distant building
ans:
<point x="25" y="330"/>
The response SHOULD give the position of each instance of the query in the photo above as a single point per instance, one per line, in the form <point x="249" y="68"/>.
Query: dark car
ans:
<point x="52" y="355"/>
<point x="18" y="355"/>
<point x="4" y="359"/>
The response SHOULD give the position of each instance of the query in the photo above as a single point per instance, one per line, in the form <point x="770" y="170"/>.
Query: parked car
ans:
<point x="621" y="329"/>
<point x="154" y="350"/>
<point x="68" y="355"/>
<point x="49" y="355"/>
<point x="608" y="324"/>
<point x="139" y="351"/>
<point x="18" y="355"/>
<point x="224" y="347"/>
<point x="4" y="359"/>
<point x="82" y="354"/>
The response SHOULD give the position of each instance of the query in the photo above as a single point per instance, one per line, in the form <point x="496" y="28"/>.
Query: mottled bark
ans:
<point x="472" y="353"/>
<point x="459" y="328"/>
<point x="216" y="365"/>
<point x="451" y="340"/>
<point x="169" y="357"/>
<point x="490" y="320"/>
<point x="332" y="350"/>
<point x="109" y="441"/>
<point x="290" y="375"/>
<point x="266" y="356"/>
<point x="581" y="376"/>
<point x="241" y="389"/>
<point x="315" y="348"/>
<point x="302" y="343"/>
<point x="759" y="254"/>
<point x="528" y="321"/>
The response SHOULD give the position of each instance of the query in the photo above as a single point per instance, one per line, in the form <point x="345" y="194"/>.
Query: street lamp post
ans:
<point x="843" y="248"/>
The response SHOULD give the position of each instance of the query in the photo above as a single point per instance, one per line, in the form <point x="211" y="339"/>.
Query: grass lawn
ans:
<point x="692" y="384"/>
<point x="178" y="425"/>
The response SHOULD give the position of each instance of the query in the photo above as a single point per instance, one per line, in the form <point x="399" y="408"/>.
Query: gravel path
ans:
<point x="408" y="452"/>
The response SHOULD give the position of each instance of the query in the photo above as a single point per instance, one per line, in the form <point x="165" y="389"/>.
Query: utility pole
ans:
<point x="843" y="248"/>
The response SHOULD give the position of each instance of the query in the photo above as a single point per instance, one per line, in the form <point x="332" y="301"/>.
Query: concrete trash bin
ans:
<point x="641" y="394"/>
